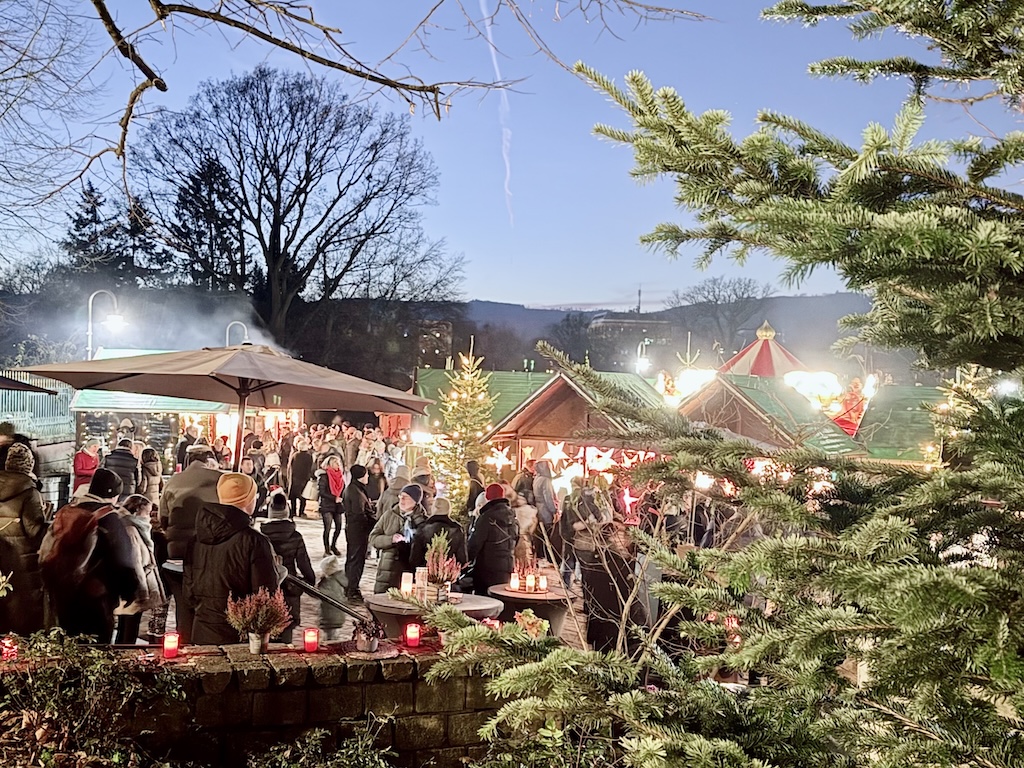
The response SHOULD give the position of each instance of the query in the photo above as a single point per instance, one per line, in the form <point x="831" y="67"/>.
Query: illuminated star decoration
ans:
<point x="499" y="459"/>
<point x="564" y="480"/>
<point x="628" y="500"/>
<point x="527" y="452"/>
<point x="556" y="453"/>
<point x="599" y="461"/>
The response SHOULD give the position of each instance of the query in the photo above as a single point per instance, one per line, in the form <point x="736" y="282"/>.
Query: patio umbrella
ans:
<point x="249" y="375"/>
<point x="23" y="386"/>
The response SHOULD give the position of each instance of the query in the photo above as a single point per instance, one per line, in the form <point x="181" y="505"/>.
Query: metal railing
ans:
<point x="47" y="418"/>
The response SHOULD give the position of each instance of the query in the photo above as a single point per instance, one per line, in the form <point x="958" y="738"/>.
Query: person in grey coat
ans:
<point x="123" y="463"/>
<point x="392" y="537"/>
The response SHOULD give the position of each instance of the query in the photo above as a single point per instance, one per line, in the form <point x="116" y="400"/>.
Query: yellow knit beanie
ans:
<point x="236" y="489"/>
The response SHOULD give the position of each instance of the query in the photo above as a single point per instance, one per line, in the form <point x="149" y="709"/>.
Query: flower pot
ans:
<point x="258" y="643"/>
<point x="366" y="644"/>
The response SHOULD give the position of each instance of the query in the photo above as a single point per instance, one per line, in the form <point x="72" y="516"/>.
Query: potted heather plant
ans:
<point x="442" y="568"/>
<point x="259" y="616"/>
<point x="368" y="633"/>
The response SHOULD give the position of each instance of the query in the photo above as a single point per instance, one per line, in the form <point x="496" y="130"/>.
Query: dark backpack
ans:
<point x="66" y="553"/>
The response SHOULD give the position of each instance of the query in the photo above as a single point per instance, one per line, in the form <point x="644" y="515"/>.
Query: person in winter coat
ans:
<point x="22" y="526"/>
<point x="123" y="463"/>
<point x="289" y="545"/>
<point x="546" y="502"/>
<point x="248" y="467"/>
<point x="352" y="442"/>
<point x="376" y="483"/>
<point x="86" y="462"/>
<point x="86" y="560"/>
<point x="300" y="470"/>
<point x="135" y="515"/>
<point x="523" y="482"/>
<point x="331" y="484"/>
<point x="422" y="476"/>
<point x="392" y="535"/>
<point x="332" y="584"/>
<point x="151" y="476"/>
<point x="229" y="559"/>
<point x="181" y="449"/>
<point x="438" y="522"/>
<point x="492" y="542"/>
<point x="358" y="522"/>
<point x="389" y="498"/>
<point x="182" y="498"/>
<point x="476" y="485"/>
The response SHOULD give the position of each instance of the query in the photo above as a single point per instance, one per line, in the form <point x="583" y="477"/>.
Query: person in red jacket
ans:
<point x="87" y="461"/>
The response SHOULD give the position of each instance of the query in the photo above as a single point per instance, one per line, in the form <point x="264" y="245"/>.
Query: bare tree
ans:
<point x="326" y="191"/>
<point x="726" y="303"/>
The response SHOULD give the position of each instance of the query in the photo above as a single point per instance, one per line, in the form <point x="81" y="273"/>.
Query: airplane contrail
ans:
<point x="504" y="112"/>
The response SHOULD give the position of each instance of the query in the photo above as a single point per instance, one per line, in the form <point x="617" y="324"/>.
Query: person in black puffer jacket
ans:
<point x="300" y="470"/>
<point x="438" y="522"/>
<point x="289" y="545"/>
<point x="358" y="522"/>
<point x="229" y="558"/>
<point x="122" y="462"/>
<point x="493" y="540"/>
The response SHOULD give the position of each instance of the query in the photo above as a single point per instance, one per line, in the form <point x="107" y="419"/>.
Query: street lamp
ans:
<point x="642" y="361"/>
<point x="245" y="332"/>
<point x="115" y="320"/>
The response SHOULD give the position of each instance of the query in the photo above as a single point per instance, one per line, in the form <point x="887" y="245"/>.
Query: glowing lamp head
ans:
<point x="115" y="322"/>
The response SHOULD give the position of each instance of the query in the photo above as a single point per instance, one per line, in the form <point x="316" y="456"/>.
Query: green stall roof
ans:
<point x="897" y="425"/>
<point x="510" y="387"/>
<point x="794" y="414"/>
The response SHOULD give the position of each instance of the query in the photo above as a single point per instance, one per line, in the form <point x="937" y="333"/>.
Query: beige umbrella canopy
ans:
<point x="23" y="386"/>
<point x="249" y="375"/>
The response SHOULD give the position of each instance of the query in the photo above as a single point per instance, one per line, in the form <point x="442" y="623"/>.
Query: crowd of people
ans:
<point x="131" y="543"/>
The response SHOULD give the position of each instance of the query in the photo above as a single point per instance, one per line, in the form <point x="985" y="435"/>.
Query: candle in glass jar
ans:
<point x="412" y="635"/>
<point x="407" y="584"/>
<point x="421" y="578"/>
<point x="542" y="583"/>
<point x="311" y="639"/>
<point x="531" y="582"/>
<point x="513" y="583"/>
<point x="171" y="645"/>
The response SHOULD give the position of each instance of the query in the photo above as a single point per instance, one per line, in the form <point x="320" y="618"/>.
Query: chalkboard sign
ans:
<point x="158" y="431"/>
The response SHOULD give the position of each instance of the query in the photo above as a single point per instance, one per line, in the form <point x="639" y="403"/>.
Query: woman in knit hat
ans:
<point x="21" y="531"/>
<point x="391" y="536"/>
<point x="492" y="541"/>
<point x="229" y="558"/>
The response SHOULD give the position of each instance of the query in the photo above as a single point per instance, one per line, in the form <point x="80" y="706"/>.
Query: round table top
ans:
<point x="555" y="594"/>
<point x="469" y="604"/>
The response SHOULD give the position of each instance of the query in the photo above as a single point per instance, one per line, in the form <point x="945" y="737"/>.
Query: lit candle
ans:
<point x="421" y="578"/>
<point x="542" y="583"/>
<point x="513" y="583"/>
<point x="407" y="584"/>
<point x="412" y="635"/>
<point x="531" y="582"/>
<point x="311" y="639"/>
<point x="171" y="645"/>
<point x="491" y="624"/>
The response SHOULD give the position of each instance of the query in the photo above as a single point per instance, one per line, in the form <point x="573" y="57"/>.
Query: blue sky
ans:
<point x="571" y="236"/>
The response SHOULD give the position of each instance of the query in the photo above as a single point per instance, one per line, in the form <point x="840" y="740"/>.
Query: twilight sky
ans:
<point x="567" y="234"/>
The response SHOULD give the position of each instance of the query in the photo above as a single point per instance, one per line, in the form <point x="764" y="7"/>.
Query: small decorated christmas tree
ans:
<point x="466" y="415"/>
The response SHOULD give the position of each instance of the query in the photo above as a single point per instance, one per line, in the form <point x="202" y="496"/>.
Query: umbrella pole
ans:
<point x="243" y="398"/>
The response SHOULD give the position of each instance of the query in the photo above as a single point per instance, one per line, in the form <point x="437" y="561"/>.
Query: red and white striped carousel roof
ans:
<point x="764" y="357"/>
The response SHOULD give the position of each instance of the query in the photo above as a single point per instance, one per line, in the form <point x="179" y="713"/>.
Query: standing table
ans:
<point x="395" y="614"/>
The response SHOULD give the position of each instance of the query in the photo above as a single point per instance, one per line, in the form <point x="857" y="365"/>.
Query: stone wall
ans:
<point x="238" y="702"/>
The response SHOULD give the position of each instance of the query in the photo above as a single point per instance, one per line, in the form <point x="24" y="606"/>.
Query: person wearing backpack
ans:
<point x="21" y="530"/>
<point x="86" y="560"/>
<point x="288" y="545"/>
<point x="151" y="595"/>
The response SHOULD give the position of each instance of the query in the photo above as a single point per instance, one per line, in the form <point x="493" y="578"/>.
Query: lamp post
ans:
<point x="114" y="321"/>
<point x="245" y="332"/>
